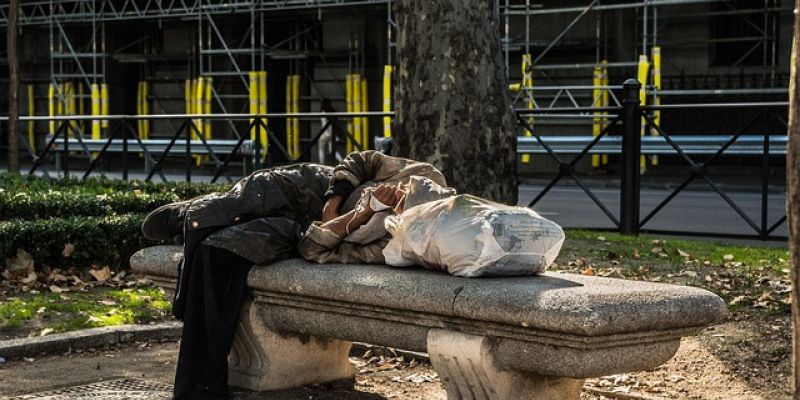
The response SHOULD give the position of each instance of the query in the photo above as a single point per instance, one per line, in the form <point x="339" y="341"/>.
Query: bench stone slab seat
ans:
<point x="496" y="338"/>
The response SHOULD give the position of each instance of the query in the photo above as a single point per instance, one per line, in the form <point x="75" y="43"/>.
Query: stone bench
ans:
<point x="500" y="338"/>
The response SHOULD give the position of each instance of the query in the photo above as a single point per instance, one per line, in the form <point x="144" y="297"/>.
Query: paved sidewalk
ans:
<point x="156" y="363"/>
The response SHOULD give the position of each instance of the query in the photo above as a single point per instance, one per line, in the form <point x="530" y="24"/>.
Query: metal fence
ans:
<point x="187" y="141"/>
<point x="621" y="136"/>
<point x="631" y="145"/>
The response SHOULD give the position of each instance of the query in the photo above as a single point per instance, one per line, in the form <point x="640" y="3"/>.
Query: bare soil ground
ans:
<point x="706" y="367"/>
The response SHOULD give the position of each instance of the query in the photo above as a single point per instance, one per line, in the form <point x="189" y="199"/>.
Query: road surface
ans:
<point x="690" y="211"/>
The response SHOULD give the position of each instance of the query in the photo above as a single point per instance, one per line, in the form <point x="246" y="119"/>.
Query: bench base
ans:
<point x="469" y="370"/>
<point x="262" y="359"/>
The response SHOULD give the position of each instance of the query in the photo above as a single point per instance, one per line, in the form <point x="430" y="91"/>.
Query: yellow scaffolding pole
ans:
<point x="356" y="90"/>
<point x="200" y="90"/>
<point x="146" y="108"/>
<point x="199" y="108"/>
<point x="527" y="86"/>
<point x="207" y="130"/>
<point x="104" y="106"/>
<point x="31" y="112"/>
<point x="657" y="96"/>
<point x="253" y="96"/>
<point x="597" y="101"/>
<point x="94" y="94"/>
<point x="51" y="107"/>
<point x="364" y="108"/>
<point x="349" y="108"/>
<point x="142" y="108"/>
<point x="262" y="109"/>
<point x="387" y="99"/>
<point x="643" y="72"/>
<point x="296" y="109"/>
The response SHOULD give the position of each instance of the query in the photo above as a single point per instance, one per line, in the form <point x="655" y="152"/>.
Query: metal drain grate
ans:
<point x="109" y="390"/>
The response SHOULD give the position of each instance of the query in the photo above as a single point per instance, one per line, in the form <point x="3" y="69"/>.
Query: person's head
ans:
<point x="326" y="105"/>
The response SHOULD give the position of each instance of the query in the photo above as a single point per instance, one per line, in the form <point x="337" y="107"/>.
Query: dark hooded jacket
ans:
<point x="259" y="219"/>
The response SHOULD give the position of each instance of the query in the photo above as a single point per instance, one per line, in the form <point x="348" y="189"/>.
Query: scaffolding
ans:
<point x="235" y="40"/>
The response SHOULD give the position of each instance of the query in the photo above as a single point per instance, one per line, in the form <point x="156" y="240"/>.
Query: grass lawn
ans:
<point x="27" y="314"/>
<point x="742" y="275"/>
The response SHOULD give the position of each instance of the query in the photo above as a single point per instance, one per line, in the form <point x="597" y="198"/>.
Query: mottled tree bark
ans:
<point x="793" y="200"/>
<point x="13" y="88"/>
<point x="453" y="109"/>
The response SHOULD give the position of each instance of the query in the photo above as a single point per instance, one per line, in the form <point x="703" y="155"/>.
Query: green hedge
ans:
<point x="101" y="217"/>
<point x="102" y="185"/>
<point x="108" y="240"/>
<point x="31" y="205"/>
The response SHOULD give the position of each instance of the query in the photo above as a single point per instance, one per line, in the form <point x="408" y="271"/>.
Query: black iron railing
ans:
<point x="628" y="120"/>
<point x="124" y="140"/>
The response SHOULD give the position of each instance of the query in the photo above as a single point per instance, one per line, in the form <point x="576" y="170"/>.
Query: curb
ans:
<point x="88" y="338"/>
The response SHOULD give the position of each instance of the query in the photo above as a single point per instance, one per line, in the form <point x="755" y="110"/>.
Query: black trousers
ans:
<point x="217" y="285"/>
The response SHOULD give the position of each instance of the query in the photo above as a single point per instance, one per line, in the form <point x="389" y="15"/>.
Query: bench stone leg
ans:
<point x="262" y="359"/>
<point x="466" y="365"/>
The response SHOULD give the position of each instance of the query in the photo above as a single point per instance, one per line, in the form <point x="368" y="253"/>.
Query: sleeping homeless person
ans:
<point x="260" y="220"/>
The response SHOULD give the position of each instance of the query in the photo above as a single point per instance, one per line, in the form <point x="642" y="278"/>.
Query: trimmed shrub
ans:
<point x="102" y="185"/>
<point x="31" y="205"/>
<point x="101" y="217"/>
<point x="108" y="240"/>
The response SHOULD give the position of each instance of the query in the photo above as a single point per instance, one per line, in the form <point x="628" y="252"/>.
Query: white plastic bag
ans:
<point x="469" y="236"/>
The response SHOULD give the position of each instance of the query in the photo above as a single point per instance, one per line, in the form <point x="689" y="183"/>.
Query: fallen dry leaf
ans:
<point x="21" y="264"/>
<point x="29" y="279"/>
<point x="766" y="296"/>
<point x="69" y="248"/>
<point x="102" y="274"/>
<point x="58" y="289"/>
<point x="737" y="300"/>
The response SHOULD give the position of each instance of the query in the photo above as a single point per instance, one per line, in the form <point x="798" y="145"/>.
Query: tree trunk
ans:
<point x="793" y="200"/>
<point x="13" y="88"/>
<point x="452" y="105"/>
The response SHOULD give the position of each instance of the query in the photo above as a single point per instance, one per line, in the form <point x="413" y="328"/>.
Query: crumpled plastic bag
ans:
<point x="419" y="189"/>
<point x="470" y="236"/>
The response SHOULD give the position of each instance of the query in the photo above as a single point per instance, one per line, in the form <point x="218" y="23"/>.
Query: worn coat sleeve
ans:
<point x="359" y="167"/>
<point x="323" y="246"/>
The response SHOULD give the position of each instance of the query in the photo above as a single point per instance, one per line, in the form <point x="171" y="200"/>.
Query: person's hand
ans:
<point x="386" y="194"/>
<point x="331" y="208"/>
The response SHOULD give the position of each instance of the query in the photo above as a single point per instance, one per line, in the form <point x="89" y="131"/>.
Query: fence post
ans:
<point x="631" y="152"/>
